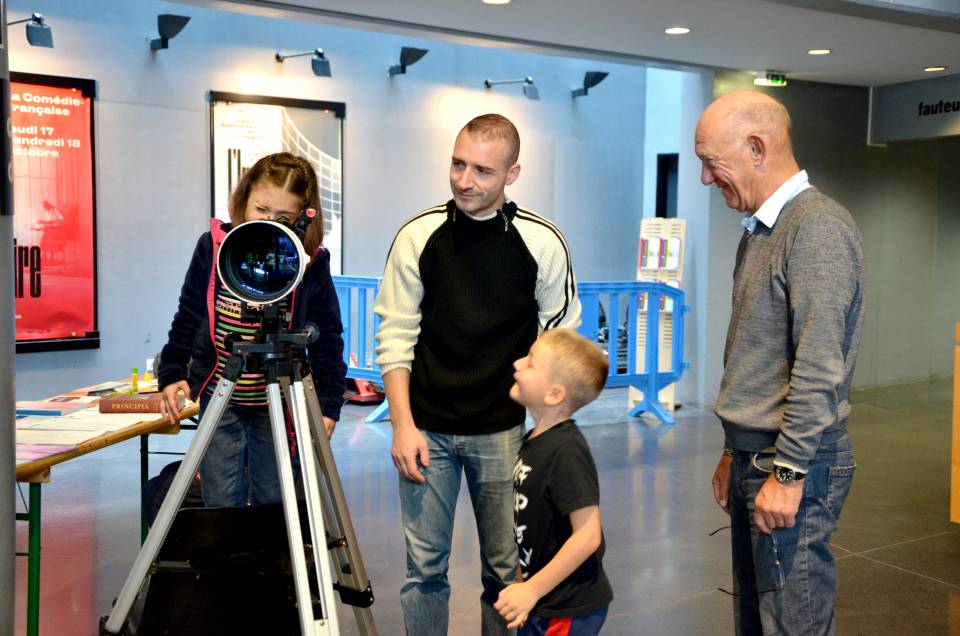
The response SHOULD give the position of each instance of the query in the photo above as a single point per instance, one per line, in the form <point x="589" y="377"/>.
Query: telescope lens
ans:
<point x="261" y="262"/>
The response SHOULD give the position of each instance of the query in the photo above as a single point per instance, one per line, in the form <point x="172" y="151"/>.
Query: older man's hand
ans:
<point x="721" y="483"/>
<point x="776" y="504"/>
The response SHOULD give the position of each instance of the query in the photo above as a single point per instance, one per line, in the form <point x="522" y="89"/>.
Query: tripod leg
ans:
<point x="308" y="625"/>
<point x="312" y="490"/>
<point x="178" y="489"/>
<point x="354" y="585"/>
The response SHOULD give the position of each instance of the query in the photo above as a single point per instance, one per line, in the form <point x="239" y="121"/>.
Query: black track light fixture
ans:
<point x="529" y="88"/>
<point x="38" y="31"/>
<point x="168" y="26"/>
<point x="319" y="62"/>
<point x="590" y="79"/>
<point x="408" y="56"/>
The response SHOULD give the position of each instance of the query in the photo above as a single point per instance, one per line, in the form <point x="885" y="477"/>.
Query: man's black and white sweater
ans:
<point x="461" y="299"/>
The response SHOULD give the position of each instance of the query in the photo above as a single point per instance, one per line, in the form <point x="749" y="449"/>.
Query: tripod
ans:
<point x="280" y="356"/>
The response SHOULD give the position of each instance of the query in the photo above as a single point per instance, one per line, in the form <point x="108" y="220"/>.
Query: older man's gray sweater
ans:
<point x="794" y="330"/>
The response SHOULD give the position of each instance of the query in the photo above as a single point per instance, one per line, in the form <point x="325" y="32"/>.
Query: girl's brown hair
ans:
<point x="296" y="176"/>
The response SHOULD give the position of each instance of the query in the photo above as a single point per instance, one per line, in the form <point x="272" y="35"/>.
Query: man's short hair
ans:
<point x="578" y="364"/>
<point x="494" y="126"/>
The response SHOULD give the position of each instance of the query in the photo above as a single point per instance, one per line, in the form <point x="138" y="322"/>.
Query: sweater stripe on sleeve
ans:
<point x="568" y="289"/>
<point x="434" y="210"/>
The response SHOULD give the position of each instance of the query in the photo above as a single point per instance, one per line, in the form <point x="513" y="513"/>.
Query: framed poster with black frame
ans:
<point x="244" y="128"/>
<point x="55" y="237"/>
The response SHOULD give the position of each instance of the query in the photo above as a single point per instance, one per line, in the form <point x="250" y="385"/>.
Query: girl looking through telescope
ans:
<point x="240" y="466"/>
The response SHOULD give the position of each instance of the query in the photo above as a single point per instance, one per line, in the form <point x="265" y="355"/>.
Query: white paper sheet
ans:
<point x="95" y="423"/>
<point x="32" y="436"/>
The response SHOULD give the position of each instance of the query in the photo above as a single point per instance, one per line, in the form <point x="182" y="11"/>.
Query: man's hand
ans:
<point x="408" y="446"/>
<point x="168" y="407"/>
<point x="515" y="603"/>
<point x="721" y="483"/>
<point x="776" y="504"/>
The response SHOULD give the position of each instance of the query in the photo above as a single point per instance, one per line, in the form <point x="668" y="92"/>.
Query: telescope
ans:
<point x="262" y="262"/>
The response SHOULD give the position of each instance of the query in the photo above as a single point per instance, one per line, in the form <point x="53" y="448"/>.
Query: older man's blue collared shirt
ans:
<point x="769" y="212"/>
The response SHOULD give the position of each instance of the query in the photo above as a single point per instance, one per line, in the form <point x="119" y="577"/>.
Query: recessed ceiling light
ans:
<point x="819" y="52"/>
<point x="496" y="1"/>
<point x="934" y="69"/>
<point x="677" y="30"/>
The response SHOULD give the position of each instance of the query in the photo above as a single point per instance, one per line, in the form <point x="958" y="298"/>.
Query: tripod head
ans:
<point x="273" y="342"/>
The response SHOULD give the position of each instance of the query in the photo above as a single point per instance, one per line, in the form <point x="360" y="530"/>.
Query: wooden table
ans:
<point x="37" y="472"/>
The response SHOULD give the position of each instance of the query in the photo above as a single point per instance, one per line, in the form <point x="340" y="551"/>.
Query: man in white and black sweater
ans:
<point x="468" y="286"/>
<point x="787" y="462"/>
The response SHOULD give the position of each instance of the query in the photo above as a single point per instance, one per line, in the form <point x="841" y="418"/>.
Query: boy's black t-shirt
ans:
<point x="554" y="476"/>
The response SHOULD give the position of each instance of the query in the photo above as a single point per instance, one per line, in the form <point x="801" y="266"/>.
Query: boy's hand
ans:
<point x="515" y="603"/>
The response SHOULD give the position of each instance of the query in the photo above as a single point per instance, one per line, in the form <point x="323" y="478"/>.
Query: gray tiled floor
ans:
<point x="898" y="555"/>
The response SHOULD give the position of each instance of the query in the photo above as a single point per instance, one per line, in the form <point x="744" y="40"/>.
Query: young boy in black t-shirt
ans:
<point x="556" y="494"/>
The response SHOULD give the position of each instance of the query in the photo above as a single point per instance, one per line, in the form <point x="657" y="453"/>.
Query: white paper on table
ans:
<point x="73" y="399"/>
<point x="107" y="385"/>
<point x="94" y="422"/>
<point x="31" y="421"/>
<point x="109" y="419"/>
<point x="32" y="436"/>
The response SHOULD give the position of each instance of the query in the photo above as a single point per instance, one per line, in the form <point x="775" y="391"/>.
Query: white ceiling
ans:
<point x="729" y="34"/>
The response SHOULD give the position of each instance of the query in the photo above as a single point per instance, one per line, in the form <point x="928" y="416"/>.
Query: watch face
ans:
<point x="784" y="475"/>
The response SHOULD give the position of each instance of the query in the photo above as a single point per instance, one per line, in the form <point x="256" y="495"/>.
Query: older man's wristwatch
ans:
<point x="786" y="475"/>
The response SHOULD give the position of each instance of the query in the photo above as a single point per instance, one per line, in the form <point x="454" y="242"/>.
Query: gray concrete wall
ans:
<point x="946" y="282"/>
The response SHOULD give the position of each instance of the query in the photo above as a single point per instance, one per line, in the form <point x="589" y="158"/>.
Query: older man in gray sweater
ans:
<point x="787" y="463"/>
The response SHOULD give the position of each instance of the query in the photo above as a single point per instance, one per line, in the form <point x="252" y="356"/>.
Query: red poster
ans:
<point x="54" y="253"/>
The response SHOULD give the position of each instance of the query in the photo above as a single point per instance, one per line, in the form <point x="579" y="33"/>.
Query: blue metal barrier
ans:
<point x="357" y="295"/>
<point x="593" y="294"/>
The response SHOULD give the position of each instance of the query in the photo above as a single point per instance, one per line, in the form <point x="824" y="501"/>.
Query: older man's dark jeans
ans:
<point x="785" y="582"/>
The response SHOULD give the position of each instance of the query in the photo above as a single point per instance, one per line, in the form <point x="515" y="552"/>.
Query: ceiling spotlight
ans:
<point x="38" y="31"/>
<point x="168" y="26"/>
<point x="677" y="30"/>
<point x="934" y="69"/>
<point x="319" y="62"/>
<point x="590" y="79"/>
<point x="496" y="1"/>
<point x="529" y="88"/>
<point x="770" y="78"/>
<point x="408" y="57"/>
<point x="819" y="52"/>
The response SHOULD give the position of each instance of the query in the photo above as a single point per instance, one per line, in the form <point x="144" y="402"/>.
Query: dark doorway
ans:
<point x="667" y="185"/>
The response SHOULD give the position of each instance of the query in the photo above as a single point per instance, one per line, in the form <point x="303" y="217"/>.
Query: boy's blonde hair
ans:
<point x="578" y="364"/>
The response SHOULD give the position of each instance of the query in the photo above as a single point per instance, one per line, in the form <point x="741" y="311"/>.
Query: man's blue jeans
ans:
<point x="785" y="582"/>
<point x="240" y="465"/>
<point x="428" y="510"/>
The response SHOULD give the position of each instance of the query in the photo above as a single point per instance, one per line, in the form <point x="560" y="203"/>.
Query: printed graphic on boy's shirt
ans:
<point x="520" y="472"/>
